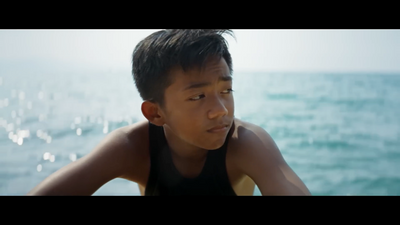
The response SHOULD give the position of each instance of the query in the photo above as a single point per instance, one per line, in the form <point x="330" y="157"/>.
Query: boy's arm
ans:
<point x="108" y="160"/>
<point x="264" y="163"/>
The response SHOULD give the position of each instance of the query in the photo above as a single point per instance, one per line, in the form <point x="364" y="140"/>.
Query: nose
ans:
<point x="217" y="109"/>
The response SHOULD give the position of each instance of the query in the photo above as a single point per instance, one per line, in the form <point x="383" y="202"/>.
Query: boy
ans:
<point x="191" y="144"/>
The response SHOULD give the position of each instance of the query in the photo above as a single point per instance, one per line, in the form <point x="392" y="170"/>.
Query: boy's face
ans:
<point x="198" y="101"/>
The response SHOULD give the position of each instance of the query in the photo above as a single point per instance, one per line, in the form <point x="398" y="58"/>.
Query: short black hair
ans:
<point x="157" y="54"/>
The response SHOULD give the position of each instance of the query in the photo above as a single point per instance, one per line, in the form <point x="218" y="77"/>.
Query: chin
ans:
<point x="214" y="143"/>
<point x="215" y="146"/>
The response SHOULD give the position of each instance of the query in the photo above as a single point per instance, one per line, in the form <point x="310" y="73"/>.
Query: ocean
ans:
<point x="340" y="132"/>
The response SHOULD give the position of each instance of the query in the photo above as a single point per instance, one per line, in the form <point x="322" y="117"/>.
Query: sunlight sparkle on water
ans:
<point x="52" y="158"/>
<point x="105" y="130"/>
<point x="23" y="133"/>
<point x="27" y="133"/>
<point x="46" y="155"/>
<point x="72" y="157"/>
<point x="21" y="95"/>
<point x="44" y="136"/>
<point x="39" y="167"/>
<point x="48" y="139"/>
<point x="20" y="141"/>
<point x="39" y="133"/>
<point x="10" y="135"/>
<point x="79" y="131"/>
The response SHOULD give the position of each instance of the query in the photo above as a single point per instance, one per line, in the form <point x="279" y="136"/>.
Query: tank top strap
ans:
<point x="156" y="138"/>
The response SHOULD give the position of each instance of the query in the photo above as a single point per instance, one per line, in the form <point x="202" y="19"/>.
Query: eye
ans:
<point x="228" y="91"/>
<point x="198" y="97"/>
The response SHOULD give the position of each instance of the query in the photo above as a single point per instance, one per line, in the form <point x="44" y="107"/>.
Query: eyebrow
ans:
<point x="204" y="84"/>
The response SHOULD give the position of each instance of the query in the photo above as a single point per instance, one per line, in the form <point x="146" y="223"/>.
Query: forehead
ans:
<point x="213" y="69"/>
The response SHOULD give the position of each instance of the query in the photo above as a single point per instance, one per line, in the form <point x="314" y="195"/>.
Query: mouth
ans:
<point x="218" y="129"/>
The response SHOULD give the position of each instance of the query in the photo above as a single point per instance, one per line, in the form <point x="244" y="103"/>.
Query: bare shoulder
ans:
<point x="127" y="139"/>
<point x="122" y="142"/>
<point x="119" y="154"/>
<point x="252" y="142"/>
<point x="257" y="155"/>
<point x="128" y="146"/>
<point x="246" y="136"/>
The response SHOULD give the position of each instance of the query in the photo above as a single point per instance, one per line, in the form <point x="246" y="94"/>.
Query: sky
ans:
<point x="253" y="50"/>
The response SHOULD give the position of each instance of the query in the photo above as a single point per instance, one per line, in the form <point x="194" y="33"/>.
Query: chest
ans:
<point x="240" y="183"/>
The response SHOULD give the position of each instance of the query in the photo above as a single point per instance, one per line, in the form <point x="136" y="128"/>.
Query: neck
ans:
<point x="182" y="149"/>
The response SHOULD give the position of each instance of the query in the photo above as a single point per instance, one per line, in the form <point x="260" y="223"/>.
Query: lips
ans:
<point x="219" y="128"/>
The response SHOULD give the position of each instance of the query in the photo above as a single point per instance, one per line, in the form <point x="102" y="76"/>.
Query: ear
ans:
<point x="152" y="113"/>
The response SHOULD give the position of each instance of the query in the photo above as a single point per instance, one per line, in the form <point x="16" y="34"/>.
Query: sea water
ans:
<point x="339" y="132"/>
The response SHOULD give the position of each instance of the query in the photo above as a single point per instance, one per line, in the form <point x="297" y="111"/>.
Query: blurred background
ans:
<point x="329" y="98"/>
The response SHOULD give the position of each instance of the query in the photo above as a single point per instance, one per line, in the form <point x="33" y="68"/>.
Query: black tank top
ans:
<point x="165" y="179"/>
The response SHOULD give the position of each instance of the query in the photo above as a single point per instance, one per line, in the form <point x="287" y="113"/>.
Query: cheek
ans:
<point x="184" y="119"/>
<point x="230" y="105"/>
